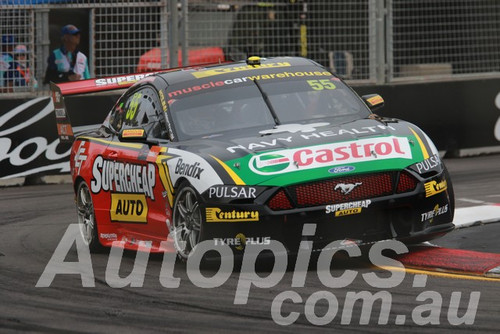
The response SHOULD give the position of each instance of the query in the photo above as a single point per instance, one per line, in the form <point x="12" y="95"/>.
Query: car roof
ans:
<point x="240" y="67"/>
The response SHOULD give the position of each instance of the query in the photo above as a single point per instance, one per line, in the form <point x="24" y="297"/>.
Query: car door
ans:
<point x="138" y="205"/>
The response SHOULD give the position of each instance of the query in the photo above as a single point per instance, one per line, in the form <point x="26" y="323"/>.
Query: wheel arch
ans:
<point x="180" y="181"/>
<point x="79" y="179"/>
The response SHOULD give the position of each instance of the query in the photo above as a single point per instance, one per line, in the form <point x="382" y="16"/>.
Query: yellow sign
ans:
<point x="432" y="188"/>
<point x="131" y="208"/>
<point x="215" y="215"/>
<point x="212" y="72"/>
<point x="375" y="100"/>
<point x="133" y="133"/>
<point x="347" y="212"/>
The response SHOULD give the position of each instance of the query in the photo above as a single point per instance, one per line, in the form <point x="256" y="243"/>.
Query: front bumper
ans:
<point x="413" y="216"/>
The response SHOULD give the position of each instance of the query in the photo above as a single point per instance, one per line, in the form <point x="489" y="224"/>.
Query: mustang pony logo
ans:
<point x="347" y="188"/>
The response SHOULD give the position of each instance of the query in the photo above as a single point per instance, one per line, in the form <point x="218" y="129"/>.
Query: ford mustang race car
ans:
<point x="247" y="152"/>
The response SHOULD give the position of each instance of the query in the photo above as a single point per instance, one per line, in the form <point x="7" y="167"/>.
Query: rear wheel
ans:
<point x="187" y="220"/>
<point x="86" y="218"/>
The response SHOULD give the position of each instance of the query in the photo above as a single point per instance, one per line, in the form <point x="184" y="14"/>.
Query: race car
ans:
<point x="248" y="152"/>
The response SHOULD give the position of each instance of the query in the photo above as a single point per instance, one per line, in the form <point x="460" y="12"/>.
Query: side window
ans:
<point x="133" y="110"/>
<point x="151" y="119"/>
<point x="117" y="115"/>
<point x="127" y="112"/>
<point x="139" y="108"/>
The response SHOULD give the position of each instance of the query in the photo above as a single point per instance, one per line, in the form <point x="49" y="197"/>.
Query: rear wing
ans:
<point x="58" y="91"/>
<point x="64" y="129"/>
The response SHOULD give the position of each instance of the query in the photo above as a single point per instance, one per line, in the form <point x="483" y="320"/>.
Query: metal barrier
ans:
<point x="365" y="41"/>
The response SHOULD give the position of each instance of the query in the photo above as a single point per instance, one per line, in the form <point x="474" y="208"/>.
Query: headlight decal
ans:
<point x="237" y="180"/>
<point x="421" y="143"/>
<point x="431" y="160"/>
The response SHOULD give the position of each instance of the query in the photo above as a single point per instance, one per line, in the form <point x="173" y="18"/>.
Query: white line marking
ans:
<point x="482" y="214"/>
<point x="470" y="200"/>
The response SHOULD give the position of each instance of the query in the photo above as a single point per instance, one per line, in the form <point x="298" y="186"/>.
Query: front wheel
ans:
<point x="86" y="218"/>
<point x="187" y="220"/>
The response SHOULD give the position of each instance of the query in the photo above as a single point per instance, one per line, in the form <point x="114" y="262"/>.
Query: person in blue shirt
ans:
<point x="19" y="74"/>
<point x="67" y="63"/>
<point x="6" y="59"/>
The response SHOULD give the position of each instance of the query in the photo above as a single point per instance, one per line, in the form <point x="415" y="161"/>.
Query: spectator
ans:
<point x="6" y="58"/>
<point x="19" y="73"/>
<point x="67" y="63"/>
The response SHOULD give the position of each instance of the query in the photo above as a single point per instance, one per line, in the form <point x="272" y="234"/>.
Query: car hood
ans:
<point x="293" y="153"/>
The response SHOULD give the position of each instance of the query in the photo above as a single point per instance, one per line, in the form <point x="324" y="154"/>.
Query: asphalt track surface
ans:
<point x="33" y="220"/>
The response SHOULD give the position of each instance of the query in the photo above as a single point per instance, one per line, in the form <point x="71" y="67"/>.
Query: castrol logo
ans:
<point x="330" y="155"/>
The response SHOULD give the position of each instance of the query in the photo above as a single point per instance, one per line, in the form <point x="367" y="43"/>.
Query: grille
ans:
<point x="280" y="202"/>
<point x="406" y="183"/>
<point x="341" y="190"/>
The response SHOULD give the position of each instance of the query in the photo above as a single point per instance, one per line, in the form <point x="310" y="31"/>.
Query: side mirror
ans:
<point x="373" y="101"/>
<point x="132" y="135"/>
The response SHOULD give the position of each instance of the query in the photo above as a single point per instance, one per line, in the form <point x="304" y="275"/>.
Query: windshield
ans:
<point x="304" y="100"/>
<point x="209" y="108"/>
<point x="219" y="111"/>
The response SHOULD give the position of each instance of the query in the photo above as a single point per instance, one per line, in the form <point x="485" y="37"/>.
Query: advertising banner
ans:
<point x="28" y="133"/>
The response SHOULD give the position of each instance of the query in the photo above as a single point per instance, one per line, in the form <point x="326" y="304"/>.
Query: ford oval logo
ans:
<point x="341" y="169"/>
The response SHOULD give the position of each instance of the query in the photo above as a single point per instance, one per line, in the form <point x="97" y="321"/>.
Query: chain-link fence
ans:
<point x="17" y="47"/>
<point x="371" y="41"/>
<point x="331" y="32"/>
<point x="121" y="34"/>
<point x="442" y="38"/>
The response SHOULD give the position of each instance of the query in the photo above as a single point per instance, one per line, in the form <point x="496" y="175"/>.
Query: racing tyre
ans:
<point x="86" y="218"/>
<point x="186" y="220"/>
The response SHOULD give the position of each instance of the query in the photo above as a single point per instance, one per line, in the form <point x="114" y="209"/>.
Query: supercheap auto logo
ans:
<point x="121" y="80"/>
<point x="131" y="208"/>
<point x="350" y="208"/>
<point x="109" y="175"/>
<point x="285" y="161"/>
